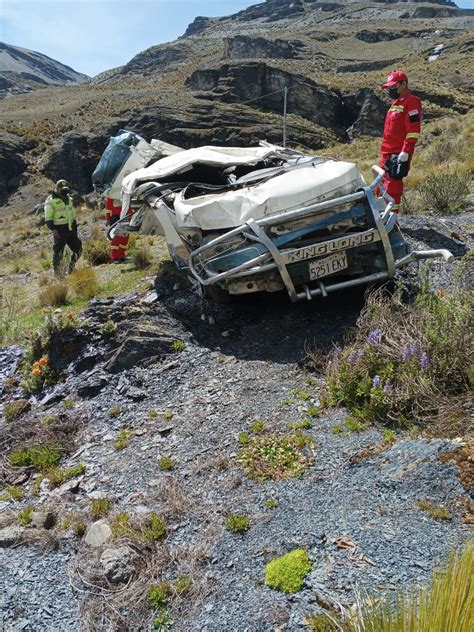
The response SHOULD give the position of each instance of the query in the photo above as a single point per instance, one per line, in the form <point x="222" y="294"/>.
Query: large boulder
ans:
<point x="12" y="164"/>
<point x="76" y="160"/>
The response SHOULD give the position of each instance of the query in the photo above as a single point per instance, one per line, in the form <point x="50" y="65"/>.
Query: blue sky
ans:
<point x="96" y="35"/>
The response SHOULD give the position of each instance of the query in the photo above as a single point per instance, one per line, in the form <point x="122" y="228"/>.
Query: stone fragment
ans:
<point x="118" y="564"/>
<point x="42" y="520"/>
<point x="10" y="535"/>
<point x="98" y="533"/>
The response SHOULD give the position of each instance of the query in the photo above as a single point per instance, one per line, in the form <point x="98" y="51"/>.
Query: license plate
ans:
<point x="328" y="265"/>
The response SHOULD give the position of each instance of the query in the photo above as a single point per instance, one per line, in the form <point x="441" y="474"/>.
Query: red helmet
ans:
<point x="394" y="77"/>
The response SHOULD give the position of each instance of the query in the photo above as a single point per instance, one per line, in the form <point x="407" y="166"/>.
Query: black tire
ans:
<point x="218" y="295"/>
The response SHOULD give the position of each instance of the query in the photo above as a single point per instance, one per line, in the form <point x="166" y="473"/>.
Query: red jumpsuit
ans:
<point x="118" y="246"/>
<point x="401" y="131"/>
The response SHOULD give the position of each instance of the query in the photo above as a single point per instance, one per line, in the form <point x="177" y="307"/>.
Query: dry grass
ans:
<point x="55" y="294"/>
<point x="446" y="604"/>
<point x="84" y="282"/>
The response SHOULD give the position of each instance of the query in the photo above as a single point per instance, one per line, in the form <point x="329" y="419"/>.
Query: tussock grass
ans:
<point x="56" y="294"/>
<point x="84" y="282"/>
<point x="446" y="604"/>
<point x="96" y="249"/>
<point x="141" y="255"/>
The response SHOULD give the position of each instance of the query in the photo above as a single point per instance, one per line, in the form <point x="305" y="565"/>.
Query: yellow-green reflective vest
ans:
<point x="55" y="209"/>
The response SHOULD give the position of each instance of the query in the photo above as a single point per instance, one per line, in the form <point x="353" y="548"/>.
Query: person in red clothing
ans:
<point x="401" y="131"/>
<point x="119" y="244"/>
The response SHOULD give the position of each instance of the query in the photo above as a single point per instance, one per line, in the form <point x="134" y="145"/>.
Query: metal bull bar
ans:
<point x="380" y="225"/>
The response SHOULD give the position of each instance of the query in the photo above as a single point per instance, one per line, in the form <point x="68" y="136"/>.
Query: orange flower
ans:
<point x="36" y="365"/>
<point x="43" y="361"/>
<point x="440" y="293"/>
<point x="70" y="314"/>
<point x="36" y="370"/>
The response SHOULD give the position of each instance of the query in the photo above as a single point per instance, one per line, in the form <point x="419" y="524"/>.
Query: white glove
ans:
<point x="403" y="156"/>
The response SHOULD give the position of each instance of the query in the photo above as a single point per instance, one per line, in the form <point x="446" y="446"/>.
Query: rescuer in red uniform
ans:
<point x="119" y="244"/>
<point x="401" y="131"/>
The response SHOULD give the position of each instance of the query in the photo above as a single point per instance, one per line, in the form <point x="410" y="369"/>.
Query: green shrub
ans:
<point x="274" y="457"/>
<point x="166" y="463"/>
<point x="299" y="393"/>
<point x="156" y="529"/>
<point x="124" y="437"/>
<point x="162" y="621"/>
<point x="237" y="523"/>
<point x="271" y="503"/>
<point x="183" y="585"/>
<point x="108" y="328"/>
<point x="445" y="192"/>
<point x="59" y="475"/>
<point x="24" y="516"/>
<point x="100" y="507"/>
<point x="403" y="360"/>
<point x="43" y="457"/>
<point x="14" y="409"/>
<point x="258" y="426"/>
<point x="287" y="573"/>
<point x="178" y="345"/>
<point x="445" y="604"/>
<point x="437" y="512"/>
<point x="157" y="596"/>
<point x="12" y="492"/>
<point x="115" y="411"/>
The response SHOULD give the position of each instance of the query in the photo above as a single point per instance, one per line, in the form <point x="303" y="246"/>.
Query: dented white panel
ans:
<point x="292" y="190"/>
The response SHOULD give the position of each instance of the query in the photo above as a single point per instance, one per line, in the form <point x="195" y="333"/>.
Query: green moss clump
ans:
<point x="166" y="463"/>
<point x="287" y="573"/>
<point x="237" y="523"/>
<point x="25" y="515"/>
<point x="43" y="457"/>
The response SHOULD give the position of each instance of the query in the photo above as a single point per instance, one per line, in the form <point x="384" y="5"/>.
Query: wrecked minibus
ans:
<point x="239" y="220"/>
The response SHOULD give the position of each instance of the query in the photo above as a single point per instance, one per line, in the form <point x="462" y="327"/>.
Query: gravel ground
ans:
<point x="244" y="367"/>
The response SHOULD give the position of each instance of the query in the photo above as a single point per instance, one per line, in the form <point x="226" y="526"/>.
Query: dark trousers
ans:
<point x="65" y="238"/>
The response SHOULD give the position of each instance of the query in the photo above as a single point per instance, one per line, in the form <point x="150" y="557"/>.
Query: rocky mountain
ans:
<point x="23" y="70"/>
<point x="223" y="82"/>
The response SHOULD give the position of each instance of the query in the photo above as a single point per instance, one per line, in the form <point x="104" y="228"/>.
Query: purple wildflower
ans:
<point x="424" y="361"/>
<point x="388" y="388"/>
<point x="361" y="353"/>
<point x="336" y="356"/>
<point x="375" y="337"/>
<point x="409" y="351"/>
<point x="376" y="382"/>
<point x="352" y="358"/>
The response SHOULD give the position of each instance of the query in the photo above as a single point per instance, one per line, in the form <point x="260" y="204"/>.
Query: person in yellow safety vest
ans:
<point x="60" y="218"/>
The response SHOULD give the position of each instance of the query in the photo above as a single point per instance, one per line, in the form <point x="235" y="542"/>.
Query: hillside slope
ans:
<point x="23" y="70"/>
<point x="222" y="82"/>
